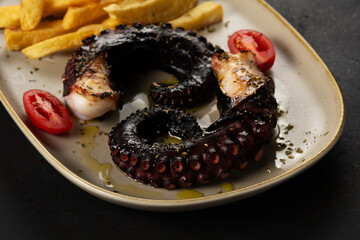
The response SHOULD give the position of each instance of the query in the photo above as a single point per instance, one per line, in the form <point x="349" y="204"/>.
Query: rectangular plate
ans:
<point x="308" y="96"/>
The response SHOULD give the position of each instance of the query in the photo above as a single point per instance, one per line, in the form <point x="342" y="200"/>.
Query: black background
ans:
<point x="36" y="202"/>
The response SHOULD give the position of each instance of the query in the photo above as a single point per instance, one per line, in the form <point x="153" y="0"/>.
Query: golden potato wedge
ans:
<point x="63" y="42"/>
<point x="204" y="14"/>
<point x="10" y="16"/>
<point x="81" y="16"/>
<point x="149" y="11"/>
<point x="31" y="13"/>
<point x="17" y="39"/>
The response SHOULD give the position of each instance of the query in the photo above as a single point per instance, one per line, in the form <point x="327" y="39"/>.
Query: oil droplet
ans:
<point x="188" y="194"/>
<point x="168" y="139"/>
<point x="268" y="171"/>
<point x="227" y="187"/>
<point x="171" y="81"/>
<point x="102" y="170"/>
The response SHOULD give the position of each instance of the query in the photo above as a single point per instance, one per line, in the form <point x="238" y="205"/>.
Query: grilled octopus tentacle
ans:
<point x="129" y="50"/>
<point x="248" y="115"/>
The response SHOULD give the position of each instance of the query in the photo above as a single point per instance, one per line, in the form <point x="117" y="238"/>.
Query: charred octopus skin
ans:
<point x="129" y="50"/>
<point x="247" y="116"/>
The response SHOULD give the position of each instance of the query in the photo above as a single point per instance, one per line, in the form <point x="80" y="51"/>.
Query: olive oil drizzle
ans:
<point x="87" y="144"/>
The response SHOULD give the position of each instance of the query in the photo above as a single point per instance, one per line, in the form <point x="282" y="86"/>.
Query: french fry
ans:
<point x="90" y="30"/>
<point x="63" y="42"/>
<point x="204" y="14"/>
<point x="149" y="11"/>
<point x="112" y="22"/>
<point x="31" y="13"/>
<point x="10" y="16"/>
<point x="17" y="39"/>
<point x="58" y="7"/>
<point x="51" y="37"/>
<point x="80" y="16"/>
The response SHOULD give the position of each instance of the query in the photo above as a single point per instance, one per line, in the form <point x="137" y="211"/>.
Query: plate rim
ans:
<point x="205" y="201"/>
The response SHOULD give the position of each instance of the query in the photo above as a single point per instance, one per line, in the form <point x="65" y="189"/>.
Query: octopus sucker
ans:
<point x="245" y="100"/>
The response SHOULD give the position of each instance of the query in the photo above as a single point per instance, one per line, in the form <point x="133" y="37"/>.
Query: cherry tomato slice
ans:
<point x="46" y="112"/>
<point x="255" y="42"/>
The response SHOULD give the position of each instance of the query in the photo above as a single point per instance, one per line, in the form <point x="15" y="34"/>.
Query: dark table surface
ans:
<point x="36" y="202"/>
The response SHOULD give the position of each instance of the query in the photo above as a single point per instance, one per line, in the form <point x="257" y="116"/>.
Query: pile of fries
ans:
<point x="42" y="27"/>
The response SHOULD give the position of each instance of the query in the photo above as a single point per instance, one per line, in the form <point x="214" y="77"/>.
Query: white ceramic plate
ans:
<point x="306" y="91"/>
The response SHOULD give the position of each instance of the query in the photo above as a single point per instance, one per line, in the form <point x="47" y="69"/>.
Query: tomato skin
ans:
<point x="46" y="111"/>
<point x="257" y="43"/>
